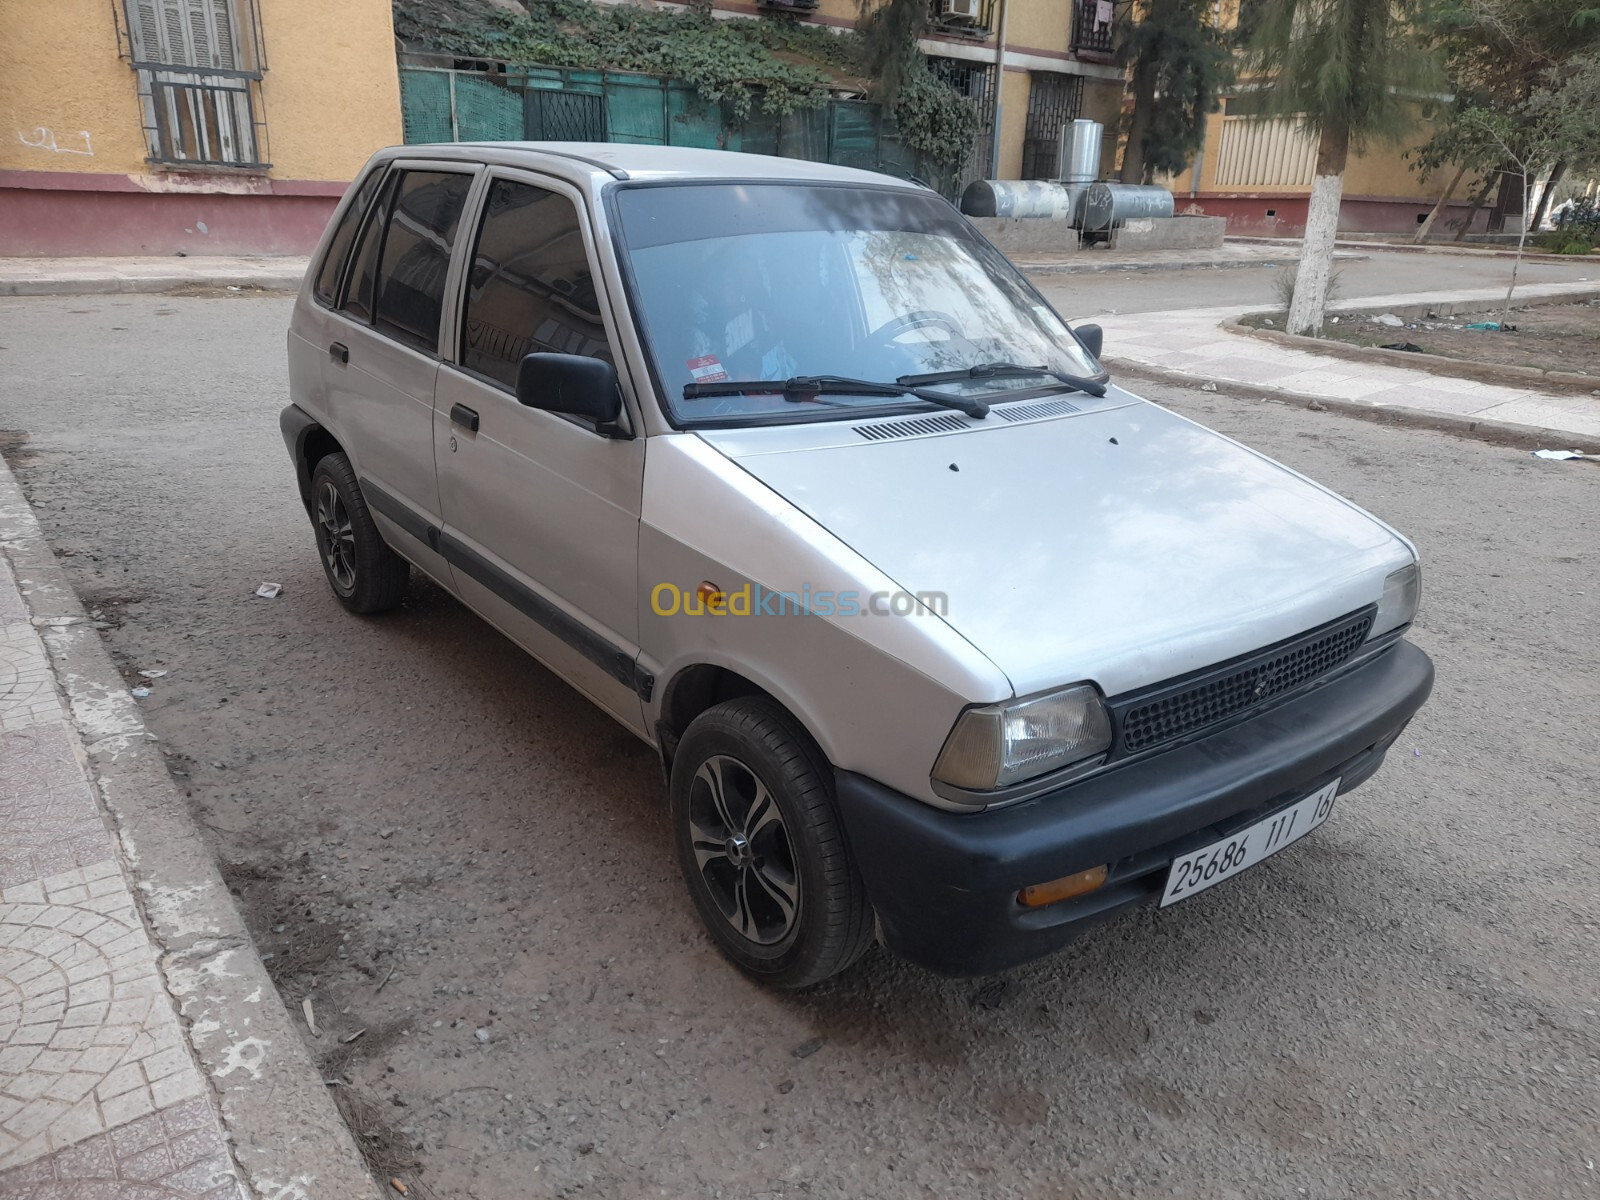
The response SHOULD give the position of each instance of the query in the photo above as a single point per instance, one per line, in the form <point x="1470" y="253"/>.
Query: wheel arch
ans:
<point x="699" y="686"/>
<point x="309" y="443"/>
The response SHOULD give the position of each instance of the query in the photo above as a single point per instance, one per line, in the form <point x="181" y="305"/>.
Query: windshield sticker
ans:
<point x="1050" y="320"/>
<point x="739" y="332"/>
<point x="707" y="369"/>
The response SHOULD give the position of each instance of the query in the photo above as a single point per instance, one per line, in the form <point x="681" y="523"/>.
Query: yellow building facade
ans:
<point x="1256" y="171"/>
<point x="1030" y="65"/>
<point x="187" y="126"/>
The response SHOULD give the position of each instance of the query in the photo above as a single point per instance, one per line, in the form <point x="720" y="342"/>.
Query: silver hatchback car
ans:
<point x="942" y="638"/>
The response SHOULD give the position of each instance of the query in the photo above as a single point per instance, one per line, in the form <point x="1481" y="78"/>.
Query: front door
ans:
<point x="541" y="512"/>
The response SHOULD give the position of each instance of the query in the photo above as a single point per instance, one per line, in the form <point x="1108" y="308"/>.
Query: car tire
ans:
<point x="754" y="822"/>
<point x="365" y="575"/>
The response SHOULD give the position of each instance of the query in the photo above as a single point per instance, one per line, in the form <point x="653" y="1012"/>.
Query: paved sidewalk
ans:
<point x="86" y="276"/>
<point x="1191" y="345"/>
<point x="143" y="1053"/>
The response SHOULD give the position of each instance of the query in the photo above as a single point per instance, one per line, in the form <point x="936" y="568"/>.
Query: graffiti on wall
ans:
<point x="42" y="138"/>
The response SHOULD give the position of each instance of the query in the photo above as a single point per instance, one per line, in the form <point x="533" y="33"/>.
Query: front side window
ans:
<point x="755" y="282"/>
<point x="326" y="288"/>
<point x="530" y="288"/>
<point x="416" y="256"/>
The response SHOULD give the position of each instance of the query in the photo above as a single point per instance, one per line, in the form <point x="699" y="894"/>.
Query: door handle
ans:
<point x="465" y="417"/>
<point x="339" y="352"/>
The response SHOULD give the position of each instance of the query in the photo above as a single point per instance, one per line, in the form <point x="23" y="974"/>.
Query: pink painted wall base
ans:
<point x="1265" y="215"/>
<point x="43" y="215"/>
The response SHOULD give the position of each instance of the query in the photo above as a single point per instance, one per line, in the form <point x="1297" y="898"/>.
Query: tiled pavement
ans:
<point x="100" y="1098"/>
<point x="1193" y="343"/>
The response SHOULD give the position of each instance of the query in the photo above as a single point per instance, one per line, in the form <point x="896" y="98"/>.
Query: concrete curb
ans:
<point x="1496" y="433"/>
<point x="1091" y="268"/>
<point x="121" y="286"/>
<point x="1432" y="364"/>
<point x="1476" y="248"/>
<point x="287" y="1136"/>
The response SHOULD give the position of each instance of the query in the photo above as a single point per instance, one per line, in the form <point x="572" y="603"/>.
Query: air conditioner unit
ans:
<point x="959" y="10"/>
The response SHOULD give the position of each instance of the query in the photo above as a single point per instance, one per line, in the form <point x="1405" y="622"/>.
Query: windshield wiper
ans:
<point x="801" y="386"/>
<point x="1004" y="370"/>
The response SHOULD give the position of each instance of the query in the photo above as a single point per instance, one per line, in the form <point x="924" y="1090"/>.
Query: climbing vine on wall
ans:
<point x="776" y="64"/>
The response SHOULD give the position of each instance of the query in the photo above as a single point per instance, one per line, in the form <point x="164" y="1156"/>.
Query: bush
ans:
<point x="1283" y="287"/>
<point x="1579" y="219"/>
<point x="1562" y="242"/>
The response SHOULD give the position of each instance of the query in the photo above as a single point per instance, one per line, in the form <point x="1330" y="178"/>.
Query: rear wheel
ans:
<point x="761" y="848"/>
<point x="365" y="575"/>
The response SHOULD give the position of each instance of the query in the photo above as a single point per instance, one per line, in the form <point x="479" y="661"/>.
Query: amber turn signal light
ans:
<point x="1064" y="888"/>
<point x="711" y="597"/>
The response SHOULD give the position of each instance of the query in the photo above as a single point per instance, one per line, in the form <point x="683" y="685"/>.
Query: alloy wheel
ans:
<point x="742" y="848"/>
<point x="337" y="536"/>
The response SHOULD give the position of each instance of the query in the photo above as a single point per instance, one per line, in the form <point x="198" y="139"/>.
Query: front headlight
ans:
<point x="1002" y="744"/>
<point x="1402" y="591"/>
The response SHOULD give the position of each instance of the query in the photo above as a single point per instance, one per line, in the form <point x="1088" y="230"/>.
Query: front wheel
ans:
<point x="761" y="848"/>
<point x="365" y="575"/>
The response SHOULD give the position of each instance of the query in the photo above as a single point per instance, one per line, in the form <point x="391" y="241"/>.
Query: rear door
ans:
<point x="541" y="511"/>
<point x="383" y="350"/>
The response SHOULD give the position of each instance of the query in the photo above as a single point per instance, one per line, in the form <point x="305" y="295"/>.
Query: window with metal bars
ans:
<point x="199" y="64"/>
<point x="975" y="81"/>
<point x="1093" y="28"/>
<point x="1054" y="99"/>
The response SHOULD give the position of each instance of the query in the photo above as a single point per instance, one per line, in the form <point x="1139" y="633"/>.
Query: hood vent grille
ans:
<point x="1035" y="410"/>
<point x="912" y="427"/>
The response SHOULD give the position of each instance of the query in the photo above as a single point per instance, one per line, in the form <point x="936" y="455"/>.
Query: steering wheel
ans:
<point x="922" y="319"/>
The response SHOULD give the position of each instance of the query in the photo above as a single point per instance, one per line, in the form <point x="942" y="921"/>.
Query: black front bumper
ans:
<point x="945" y="884"/>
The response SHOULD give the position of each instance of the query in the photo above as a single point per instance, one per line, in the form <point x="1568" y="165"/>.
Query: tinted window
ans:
<point x="327" y="285"/>
<point x="364" y="268"/>
<point x="530" y="287"/>
<point x="416" y="255"/>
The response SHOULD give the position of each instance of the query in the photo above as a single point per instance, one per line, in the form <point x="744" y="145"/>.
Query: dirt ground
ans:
<point x="1557" y="337"/>
<point x="442" y="845"/>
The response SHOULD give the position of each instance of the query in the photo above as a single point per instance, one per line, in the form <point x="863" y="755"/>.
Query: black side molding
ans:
<point x="401" y="514"/>
<point x="615" y="661"/>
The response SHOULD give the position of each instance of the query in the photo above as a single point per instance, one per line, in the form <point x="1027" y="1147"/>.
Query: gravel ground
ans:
<point x="439" y="843"/>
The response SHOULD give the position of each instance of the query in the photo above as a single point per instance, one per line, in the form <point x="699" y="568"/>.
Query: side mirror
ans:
<point x="1090" y="337"/>
<point x="572" y="384"/>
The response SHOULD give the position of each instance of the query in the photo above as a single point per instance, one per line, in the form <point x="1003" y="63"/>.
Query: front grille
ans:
<point x="1185" y="706"/>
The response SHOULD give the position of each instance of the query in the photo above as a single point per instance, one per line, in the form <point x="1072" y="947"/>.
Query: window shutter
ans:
<point x="184" y="33"/>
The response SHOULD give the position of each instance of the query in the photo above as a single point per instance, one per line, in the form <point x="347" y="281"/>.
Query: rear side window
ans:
<point x="416" y="255"/>
<point x="364" y="267"/>
<point x="530" y="288"/>
<point x="326" y="288"/>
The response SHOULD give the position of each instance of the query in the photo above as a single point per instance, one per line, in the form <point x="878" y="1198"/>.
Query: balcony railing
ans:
<point x="208" y="120"/>
<point x="1094" y="29"/>
<point x="963" y="18"/>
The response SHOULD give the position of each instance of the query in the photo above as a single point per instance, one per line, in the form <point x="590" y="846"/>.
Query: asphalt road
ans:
<point x="434" y="837"/>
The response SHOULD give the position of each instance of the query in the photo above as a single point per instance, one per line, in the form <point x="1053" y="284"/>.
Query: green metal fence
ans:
<point x="567" y="104"/>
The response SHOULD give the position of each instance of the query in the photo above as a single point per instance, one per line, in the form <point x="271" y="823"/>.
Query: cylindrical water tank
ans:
<point x="1080" y="151"/>
<point x="1023" y="198"/>
<point x="1108" y="204"/>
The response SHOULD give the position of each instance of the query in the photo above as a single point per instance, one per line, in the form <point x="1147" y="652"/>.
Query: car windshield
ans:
<point x="750" y="281"/>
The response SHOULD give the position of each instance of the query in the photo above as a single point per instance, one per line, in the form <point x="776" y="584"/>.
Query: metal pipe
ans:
<point x="999" y="88"/>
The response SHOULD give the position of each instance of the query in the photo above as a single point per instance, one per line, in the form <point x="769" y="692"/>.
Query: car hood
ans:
<point x="1124" y="545"/>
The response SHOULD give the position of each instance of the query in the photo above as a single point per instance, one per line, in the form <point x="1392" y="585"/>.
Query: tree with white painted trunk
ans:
<point x="1351" y="72"/>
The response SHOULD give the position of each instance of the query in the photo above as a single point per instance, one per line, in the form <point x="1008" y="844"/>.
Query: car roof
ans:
<point x="622" y="160"/>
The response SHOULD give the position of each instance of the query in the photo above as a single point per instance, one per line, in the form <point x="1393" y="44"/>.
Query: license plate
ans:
<point x="1200" y="869"/>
